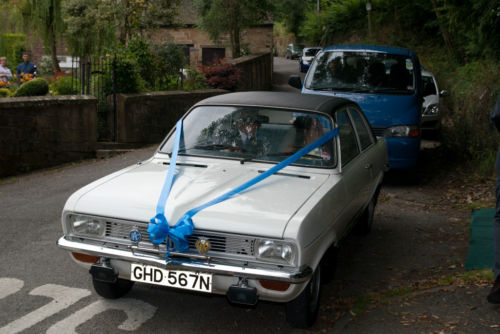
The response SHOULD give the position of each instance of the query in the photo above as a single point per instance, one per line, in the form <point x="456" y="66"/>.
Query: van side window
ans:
<point x="348" y="146"/>
<point x="364" y="133"/>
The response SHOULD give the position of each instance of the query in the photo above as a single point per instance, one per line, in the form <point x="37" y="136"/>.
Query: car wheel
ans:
<point x="329" y="264"/>
<point x="112" y="290"/>
<point x="364" y="225"/>
<point x="302" y="311"/>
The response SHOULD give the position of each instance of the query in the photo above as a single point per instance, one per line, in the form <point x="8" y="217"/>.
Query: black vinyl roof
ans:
<point x="322" y="103"/>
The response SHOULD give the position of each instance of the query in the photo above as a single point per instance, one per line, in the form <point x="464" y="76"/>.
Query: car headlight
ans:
<point x="409" y="131"/>
<point x="276" y="251"/>
<point x="85" y="226"/>
<point x="431" y="110"/>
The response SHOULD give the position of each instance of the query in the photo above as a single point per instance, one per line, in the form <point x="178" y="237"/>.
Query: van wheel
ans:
<point x="364" y="225"/>
<point x="302" y="311"/>
<point x="112" y="290"/>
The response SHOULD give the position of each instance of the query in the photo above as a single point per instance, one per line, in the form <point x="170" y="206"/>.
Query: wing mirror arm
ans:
<point x="444" y="92"/>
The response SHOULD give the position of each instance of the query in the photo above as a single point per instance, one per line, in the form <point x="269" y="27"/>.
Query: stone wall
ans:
<point x="256" y="71"/>
<point x="148" y="117"/>
<point x="37" y="132"/>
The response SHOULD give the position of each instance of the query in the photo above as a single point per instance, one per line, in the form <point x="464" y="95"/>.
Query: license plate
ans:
<point x="173" y="278"/>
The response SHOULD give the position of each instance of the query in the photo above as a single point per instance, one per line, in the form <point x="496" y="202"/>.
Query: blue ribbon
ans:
<point x="159" y="228"/>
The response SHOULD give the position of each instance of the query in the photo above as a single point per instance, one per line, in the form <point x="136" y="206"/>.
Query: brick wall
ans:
<point x="37" y="132"/>
<point x="256" y="71"/>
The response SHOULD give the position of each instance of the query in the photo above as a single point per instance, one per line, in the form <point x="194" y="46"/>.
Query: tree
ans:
<point x="293" y="13"/>
<point x="220" y="17"/>
<point x="44" y="16"/>
<point x="93" y="25"/>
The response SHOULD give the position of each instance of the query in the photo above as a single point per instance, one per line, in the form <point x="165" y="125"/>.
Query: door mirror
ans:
<point x="444" y="92"/>
<point x="294" y="81"/>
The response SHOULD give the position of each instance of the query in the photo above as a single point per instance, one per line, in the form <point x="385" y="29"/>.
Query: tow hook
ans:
<point x="241" y="293"/>
<point x="103" y="272"/>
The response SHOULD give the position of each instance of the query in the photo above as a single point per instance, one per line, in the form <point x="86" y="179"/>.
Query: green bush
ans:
<point x="35" y="87"/>
<point x="127" y="75"/>
<point x="468" y="132"/>
<point x="4" y="92"/>
<point x="12" y="46"/>
<point x="194" y="80"/>
<point x="63" y="85"/>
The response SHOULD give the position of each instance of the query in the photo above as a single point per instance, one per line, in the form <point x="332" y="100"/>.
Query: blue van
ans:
<point x="385" y="82"/>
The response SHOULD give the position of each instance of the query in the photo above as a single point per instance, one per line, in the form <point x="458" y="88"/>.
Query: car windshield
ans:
<point x="253" y="133"/>
<point x="310" y="52"/>
<point x="362" y="72"/>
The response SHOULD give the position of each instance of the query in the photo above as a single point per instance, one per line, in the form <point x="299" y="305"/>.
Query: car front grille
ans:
<point x="220" y="242"/>
<point x="378" y="131"/>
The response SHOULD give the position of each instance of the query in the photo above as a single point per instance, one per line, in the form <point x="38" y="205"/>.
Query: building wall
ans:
<point x="255" y="39"/>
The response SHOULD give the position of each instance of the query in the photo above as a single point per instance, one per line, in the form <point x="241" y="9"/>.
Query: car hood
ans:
<point x="263" y="209"/>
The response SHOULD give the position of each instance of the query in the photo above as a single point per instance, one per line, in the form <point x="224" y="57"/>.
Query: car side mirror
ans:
<point x="443" y="93"/>
<point x="294" y="81"/>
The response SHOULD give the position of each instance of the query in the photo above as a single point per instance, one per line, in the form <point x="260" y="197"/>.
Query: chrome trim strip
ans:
<point x="279" y="274"/>
<point x="175" y="254"/>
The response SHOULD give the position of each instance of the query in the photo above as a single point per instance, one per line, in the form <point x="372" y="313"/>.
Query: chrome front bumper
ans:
<point x="279" y="274"/>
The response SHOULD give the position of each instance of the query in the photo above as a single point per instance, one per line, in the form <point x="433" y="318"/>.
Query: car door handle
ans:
<point x="368" y="166"/>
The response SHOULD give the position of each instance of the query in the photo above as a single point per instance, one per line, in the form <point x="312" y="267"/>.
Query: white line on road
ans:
<point x="137" y="313"/>
<point x="62" y="296"/>
<point x="9" y="286"/>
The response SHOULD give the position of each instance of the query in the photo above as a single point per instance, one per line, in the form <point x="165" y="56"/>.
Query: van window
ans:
<point x="362" y="72"/>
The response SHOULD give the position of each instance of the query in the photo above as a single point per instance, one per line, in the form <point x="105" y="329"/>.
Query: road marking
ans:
<point x="138" y="312"/>
<point x="8" y="286"/>
<point x="62" y="296"/>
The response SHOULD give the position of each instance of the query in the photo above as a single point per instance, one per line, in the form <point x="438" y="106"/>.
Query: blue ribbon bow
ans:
<point x="159" y="228"/>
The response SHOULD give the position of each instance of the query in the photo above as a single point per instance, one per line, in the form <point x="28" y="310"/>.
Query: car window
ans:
<point x="429" y="87"/>
<point x="348" y="146"/>
<point x="362" y="129"/>
<point x="254" y="133"/>
<point x="362" y="72"/>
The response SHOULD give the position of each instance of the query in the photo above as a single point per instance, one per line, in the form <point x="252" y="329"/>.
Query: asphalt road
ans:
<point x="43" y="291"/>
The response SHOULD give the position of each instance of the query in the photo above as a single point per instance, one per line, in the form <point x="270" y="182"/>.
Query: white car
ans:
<point x="431" y="117"/>
<point x="249" y="196"/>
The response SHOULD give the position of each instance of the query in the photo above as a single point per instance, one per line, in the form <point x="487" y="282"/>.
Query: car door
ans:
<point x="368" y="159"/>
<point x="354" y="174"/>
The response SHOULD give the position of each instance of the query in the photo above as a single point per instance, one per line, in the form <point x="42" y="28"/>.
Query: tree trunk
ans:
<point x="236" y="42"/>
<point x="53" y="41"/>
<point x="444" y="32"/>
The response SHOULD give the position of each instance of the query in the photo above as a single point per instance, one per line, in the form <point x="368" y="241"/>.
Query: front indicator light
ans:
<point x="276" y="286"/>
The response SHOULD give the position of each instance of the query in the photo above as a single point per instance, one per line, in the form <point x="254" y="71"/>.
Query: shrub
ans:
<point x="469" y="132"/>
<point x="63" y="84"/>
<point x="194" y="80"/>
<point x="127" y="75"/>
<point x="222" y="75"/>
<point x="4" y="92"/>
<point x="35" y="87"/>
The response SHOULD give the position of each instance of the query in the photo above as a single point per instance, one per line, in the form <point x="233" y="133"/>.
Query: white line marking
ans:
<point x="138" y="312"/>
<point x="63" y="298"/>
<point x="9" y="286"/>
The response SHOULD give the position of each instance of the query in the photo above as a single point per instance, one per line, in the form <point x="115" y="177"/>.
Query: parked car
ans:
<point x="431" y="117"/>
<point x="276" y="181"/>
<point x="294" y="51"/>
<point x="307" y="57"/>
<point x="385" y="82"/>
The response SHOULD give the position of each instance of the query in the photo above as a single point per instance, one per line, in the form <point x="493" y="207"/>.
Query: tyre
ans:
<point x="112" y="290"/>
<point x="364" y="225"/>
<point x="302" y="311"/>
<point x="329" y="265"/>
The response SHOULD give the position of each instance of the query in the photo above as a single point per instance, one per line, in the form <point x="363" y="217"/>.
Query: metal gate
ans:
<point x="96" y="77"/>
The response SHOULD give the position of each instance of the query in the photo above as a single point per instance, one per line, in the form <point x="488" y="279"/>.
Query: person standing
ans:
<point x="5" y="73"/>
<point x="26" y="67"/>
<point x="494" y="295"/>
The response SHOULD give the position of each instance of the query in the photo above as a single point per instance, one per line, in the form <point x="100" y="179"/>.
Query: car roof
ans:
<point x="373" y="48"/>
<point x="313" y="47"/>
<point x="285" y="100"/>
